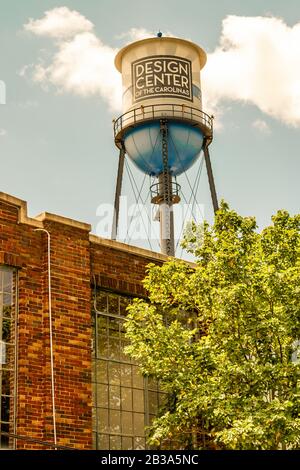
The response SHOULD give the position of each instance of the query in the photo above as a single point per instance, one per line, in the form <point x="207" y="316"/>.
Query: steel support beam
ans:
<point x="114" y="231"/>
<point x="211" y="180"/>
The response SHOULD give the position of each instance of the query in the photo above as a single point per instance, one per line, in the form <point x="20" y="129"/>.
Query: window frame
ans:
<point x="8" y="366"/>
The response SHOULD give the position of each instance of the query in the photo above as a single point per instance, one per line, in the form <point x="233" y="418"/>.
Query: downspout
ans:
<point x="50" y="334"/>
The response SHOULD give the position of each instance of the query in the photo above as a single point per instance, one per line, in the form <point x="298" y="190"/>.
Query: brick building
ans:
<point x="99" y="400"/>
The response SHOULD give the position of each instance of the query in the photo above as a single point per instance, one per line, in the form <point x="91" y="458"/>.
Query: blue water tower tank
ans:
<point x="144" y="143"/>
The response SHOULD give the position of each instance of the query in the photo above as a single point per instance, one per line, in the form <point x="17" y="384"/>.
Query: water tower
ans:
<point x="163" y="127"/>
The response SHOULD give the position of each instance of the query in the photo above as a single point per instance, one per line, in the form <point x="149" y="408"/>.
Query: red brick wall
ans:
<point x="77" y="260"/>
<point x="118" y="270"/>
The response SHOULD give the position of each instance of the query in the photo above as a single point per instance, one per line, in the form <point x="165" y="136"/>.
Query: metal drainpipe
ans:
<point x="50" y="333"/>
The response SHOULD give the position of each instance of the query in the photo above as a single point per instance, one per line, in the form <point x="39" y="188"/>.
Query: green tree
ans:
<point x="222" y="337"/>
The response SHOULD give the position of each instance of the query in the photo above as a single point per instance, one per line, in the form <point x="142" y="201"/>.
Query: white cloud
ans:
<point x="3" y="132"/>
<point x="258" y="62"/>
<point x="59" y="23"/>
<point x="82" y="64"/>
<point x="261" y="126"/>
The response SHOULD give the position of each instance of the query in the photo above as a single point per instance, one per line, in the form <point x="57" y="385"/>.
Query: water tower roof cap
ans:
<point x="120" y="54"/>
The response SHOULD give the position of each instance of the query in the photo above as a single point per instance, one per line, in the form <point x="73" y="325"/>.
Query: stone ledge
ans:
<point x="22" y="208"/>
<point x="134" y="250"/>
<point x="48" y="217"/>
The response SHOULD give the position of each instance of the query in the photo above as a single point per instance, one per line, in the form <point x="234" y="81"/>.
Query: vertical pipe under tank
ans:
<point x="166" y="205"/>
<point x="166" y="216"/>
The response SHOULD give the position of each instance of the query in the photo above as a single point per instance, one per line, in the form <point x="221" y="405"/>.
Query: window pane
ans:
<point x="114" y="348"/>
<point x="114" y="327"/>
<point x="114" y="373"/>
<point x="101" y="302"/>
<point x="7" y="354"/>
<point x="6" y="331"/>
<point x="114" y="397"/>
<point x="126" y="374"/>
<point x="4" y="440"/>
<point x="7" y="376"/>
<point x="138" y="380"/>
<point x="127" y="422"/>
<point x="102" y="346"/>
<point x="152" y="398"/>
<point x="162" y="399"/>
<point x="123" y="356"/>
<point x="102" y="395"/>
<point x="126" y="396"/>
<point x="115" y="442"/>
<point x="5" y="305"/>
<point x="103" y="442"/>
<point x="139" y="424"/>
<point x="7" y="281"/>
<point x="7" y="299"/>
<point x="139" y="443"/>
<point x="124" y="302"/>
<point x="2" y="352"/>
<point x="138" y="400"/>
<point x="102" y="325"/>
<point x="5" y="408"/>
<point x="103" y="420"/>
<point x="113" y="304"/>
<point x="101" y="371"/>
<point x="152" y="383"/>
<point x="127" y="443"/>
<point x="115" y="421"/>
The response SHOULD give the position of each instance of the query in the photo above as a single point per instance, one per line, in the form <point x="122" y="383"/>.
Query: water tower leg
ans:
<point x="115" y="223"/>
<point x="211" y="180"/>
<point x="166" y="207"/>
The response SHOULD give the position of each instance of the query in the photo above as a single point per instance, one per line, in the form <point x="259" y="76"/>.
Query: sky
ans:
<point x="59" y="92"/>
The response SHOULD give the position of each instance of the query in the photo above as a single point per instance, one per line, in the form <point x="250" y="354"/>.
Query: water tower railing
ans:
<point x="157" y="196"/>
<point x="165" y="110"/>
